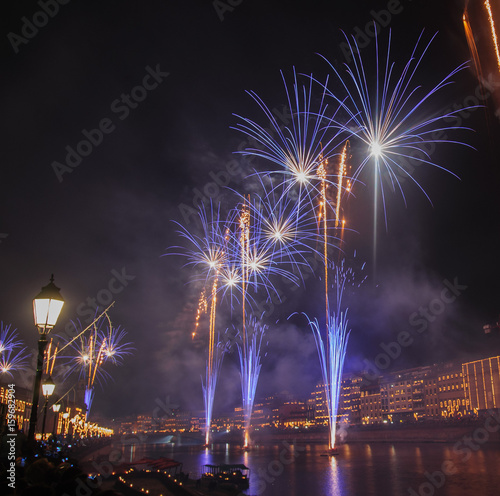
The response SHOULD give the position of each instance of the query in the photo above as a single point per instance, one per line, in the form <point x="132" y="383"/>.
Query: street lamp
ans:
<point x="55" y="408"/>
<point x="65" y="420"/>
<point x="47" y="306"/>
<point x="48" y="387"/>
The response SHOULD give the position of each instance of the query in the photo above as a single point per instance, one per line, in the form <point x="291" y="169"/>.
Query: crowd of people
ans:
<point x="48" y="468"/>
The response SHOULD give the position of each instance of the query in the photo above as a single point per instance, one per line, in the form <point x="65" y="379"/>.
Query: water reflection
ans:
<point x="285" y="469"/>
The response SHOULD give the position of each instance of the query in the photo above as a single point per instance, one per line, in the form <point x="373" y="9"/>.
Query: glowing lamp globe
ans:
<point x="48" y="387"/>
<point x="47" y="306"/>
<point x="56" y="407"/>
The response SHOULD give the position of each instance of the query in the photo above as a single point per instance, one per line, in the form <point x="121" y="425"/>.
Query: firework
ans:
<point x="202" y="309"/>
<point x="214" y="363"/>
<point x="299" y="147"/>
<point x="322" y="216"/>
<point x="8" y="339"/>
<point x="210" y="252"/>
<point x="332" y="347"/>
<point x="115" y="348"/>
<point x="331" y="357"/>
<point x="249" y="350"/>
<point x="332" y="343"/>
<point x="286" y="232"/>
<point x="342" y="178"/>
<point x="392" y="120"/>
<point x="91" y="351"/>
<point x="13" y="361"/>
<point x="12" y="352"/>
<point x="50" y="358"/>
<point x="244" y="221"/>
<point x="242" y="252"/>
<point x="236" y="257"/>
<point x="472" y="44"/>
<point x="494" y="38"/>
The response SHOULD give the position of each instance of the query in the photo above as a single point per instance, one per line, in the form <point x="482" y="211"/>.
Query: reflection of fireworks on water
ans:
<point x="299" y="147"/>
<point x="12" y="352"/>
<point x="250" y="365"/>
<point x="212" y="374"/>
<point x="391" y="119"/>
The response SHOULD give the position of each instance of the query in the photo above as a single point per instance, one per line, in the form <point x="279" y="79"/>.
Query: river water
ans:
<point x="375" y="469"/>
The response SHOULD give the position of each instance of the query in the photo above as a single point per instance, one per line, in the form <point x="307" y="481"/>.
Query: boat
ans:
<point x="235" y="473"/>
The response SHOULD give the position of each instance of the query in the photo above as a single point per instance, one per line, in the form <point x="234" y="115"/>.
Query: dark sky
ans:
<point x="113" y="212"/>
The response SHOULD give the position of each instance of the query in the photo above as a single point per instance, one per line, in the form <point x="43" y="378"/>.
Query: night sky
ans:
<point x="106" y="223"/>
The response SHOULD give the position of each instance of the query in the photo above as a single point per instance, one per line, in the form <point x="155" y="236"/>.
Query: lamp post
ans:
<point x="65" y="421"/>
<point x="48" y="387"/>
<point x="47" y="306"/>
<point x="55" y="408"/>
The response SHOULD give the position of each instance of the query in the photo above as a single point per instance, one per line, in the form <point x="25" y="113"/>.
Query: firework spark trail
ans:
<point x="299" y="147"/>
<point x="472" y="45"/>
<point x="50" y="358"/>
<point x="331" y="356"/>
<point x="245" y="256"/>
<point x="12" y="351"/>
<point x="202" y="309"/>
<point x="212" y="375"/>
<point x="215" y="356"/>
<point x="392" y="120"/>
<point x="94" y="360"/>
<point x="209" y="253"/>
<point x="341" y="190"/>
<point x="249" y="351"/>
<point x="332" y="347"/>
<point x="493" y="32"/>
<point x="322" y="174"/>
<point x="332" y="343"/>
